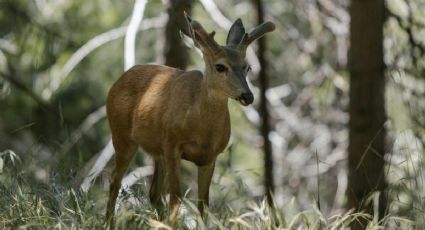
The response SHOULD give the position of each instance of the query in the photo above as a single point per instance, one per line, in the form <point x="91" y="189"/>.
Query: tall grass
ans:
<point x="27" y="204"/>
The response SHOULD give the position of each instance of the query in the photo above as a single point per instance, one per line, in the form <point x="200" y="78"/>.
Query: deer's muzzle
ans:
<point x="246" y="99"/>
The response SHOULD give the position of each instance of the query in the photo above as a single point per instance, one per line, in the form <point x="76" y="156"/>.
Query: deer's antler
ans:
<point x="256" y="33"/>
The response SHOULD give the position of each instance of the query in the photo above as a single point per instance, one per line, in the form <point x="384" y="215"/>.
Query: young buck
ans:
<point x="174" y="114"/>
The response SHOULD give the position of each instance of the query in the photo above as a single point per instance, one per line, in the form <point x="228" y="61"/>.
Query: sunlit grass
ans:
<point x="25" y="205"/>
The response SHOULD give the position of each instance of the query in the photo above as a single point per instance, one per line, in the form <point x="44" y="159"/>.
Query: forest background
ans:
<point x="336" y="132"/>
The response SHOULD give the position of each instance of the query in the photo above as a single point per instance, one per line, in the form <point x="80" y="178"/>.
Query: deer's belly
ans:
<point x="200" y="154"/>
<point x="149" y="140"/>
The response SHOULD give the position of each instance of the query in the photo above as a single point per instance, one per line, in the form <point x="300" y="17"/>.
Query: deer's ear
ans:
<point x="236" y="32"/>
<point x="200" y="37"/>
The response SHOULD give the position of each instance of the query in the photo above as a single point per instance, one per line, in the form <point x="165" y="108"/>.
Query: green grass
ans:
<point x="26" y="203"/>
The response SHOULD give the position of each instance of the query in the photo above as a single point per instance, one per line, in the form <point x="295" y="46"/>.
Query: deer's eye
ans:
<point x="248" y="68"/>
<point x="220" y="68"/>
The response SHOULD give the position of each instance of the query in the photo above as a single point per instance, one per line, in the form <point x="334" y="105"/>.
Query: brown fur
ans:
<point x="174" y="114"/>
<point x="168" y="104"/>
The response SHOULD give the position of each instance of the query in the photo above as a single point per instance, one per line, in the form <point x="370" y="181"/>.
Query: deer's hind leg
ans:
<point x="124" y="152"/>
<point x="172" y="158"/>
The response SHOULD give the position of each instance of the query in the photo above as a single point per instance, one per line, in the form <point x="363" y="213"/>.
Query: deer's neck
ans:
<point x="212" y="98"/>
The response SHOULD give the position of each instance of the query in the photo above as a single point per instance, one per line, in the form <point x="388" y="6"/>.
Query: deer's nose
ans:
<point x="246" y="98"/>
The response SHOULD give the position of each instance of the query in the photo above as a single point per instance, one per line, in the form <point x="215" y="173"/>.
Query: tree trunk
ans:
<point x="175" y="52"/>
<point x="367" y="107"/>
<point x="265" y="126"/>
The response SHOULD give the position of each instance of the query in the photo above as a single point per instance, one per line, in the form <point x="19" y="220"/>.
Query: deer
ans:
<point x="174" y="114"/>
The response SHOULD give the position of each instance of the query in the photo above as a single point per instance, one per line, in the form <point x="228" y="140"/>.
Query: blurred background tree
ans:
<point x="175" y="51"/>
<point x="367" y="133"/>
<point x="59" y="58"/>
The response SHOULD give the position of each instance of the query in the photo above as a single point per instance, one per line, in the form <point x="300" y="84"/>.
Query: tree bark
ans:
<point x="265" y="125"/>
<point x="176" y="53"/>
<point x="367" y="108"/>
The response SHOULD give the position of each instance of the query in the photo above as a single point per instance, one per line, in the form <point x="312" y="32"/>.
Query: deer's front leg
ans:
<point x="172" y="164"/>
<point x="205" y="173"/>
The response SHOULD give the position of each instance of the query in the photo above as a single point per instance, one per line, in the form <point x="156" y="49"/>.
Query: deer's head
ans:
<point x="226" y="67"/>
